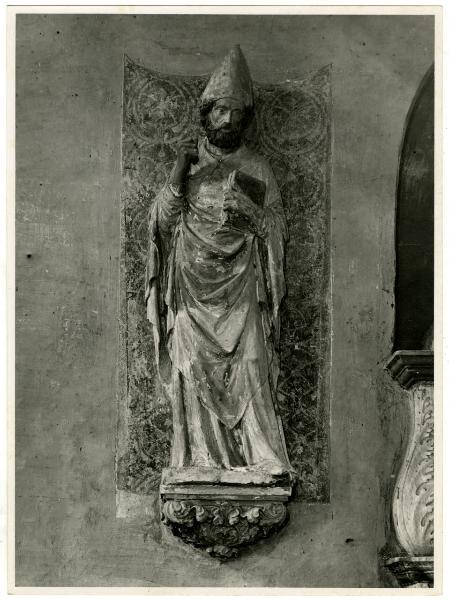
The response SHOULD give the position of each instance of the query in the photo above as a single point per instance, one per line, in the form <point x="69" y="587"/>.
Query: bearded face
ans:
<point x="225" y="123"/>
<point x="226" y="137"/>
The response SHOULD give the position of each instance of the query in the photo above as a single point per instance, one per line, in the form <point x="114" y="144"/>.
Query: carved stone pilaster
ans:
<point x="413" y="493"/>
<point x="413" y="496"/>
<point x="222" y="511"/>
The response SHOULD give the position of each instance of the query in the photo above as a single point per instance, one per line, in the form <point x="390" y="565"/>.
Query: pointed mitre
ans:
<point x="230" y="80"/>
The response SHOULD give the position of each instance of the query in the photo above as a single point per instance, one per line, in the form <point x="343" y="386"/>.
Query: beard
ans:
<point x="227" y="138"/>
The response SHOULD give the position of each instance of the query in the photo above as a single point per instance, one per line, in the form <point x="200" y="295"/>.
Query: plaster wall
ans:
<point x="68" y="107"/>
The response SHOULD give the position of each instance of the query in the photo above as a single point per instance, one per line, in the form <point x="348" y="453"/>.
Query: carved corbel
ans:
<point x="222" y="511"/>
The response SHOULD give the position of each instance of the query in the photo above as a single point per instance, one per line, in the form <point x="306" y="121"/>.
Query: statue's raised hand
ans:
<point x="186" y="154"/>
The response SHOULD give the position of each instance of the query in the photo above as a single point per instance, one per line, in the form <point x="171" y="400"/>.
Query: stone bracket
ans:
<point x="222" y="518"/>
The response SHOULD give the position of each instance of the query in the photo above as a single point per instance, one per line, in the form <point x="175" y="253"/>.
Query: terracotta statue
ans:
<point x="215" y="283"/>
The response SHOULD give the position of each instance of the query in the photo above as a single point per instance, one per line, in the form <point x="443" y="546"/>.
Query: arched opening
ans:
<point x="415" y="224"/>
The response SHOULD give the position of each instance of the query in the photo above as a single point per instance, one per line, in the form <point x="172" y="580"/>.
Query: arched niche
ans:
<point x="415" y="224"/>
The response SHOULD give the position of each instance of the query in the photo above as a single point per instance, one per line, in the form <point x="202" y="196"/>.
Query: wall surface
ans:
<point x="69" y="85"/>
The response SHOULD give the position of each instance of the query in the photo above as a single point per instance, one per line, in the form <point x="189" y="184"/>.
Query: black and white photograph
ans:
<point x="224" y="293"/>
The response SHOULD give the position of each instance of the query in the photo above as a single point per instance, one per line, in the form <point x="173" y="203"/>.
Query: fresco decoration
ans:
<point x="293" y="131"/>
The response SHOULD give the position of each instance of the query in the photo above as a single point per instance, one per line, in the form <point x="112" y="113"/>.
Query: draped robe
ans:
<point x="213" y="294"/>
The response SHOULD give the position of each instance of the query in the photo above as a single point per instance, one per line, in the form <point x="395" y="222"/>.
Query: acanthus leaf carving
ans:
<point x="413" y="500"/>
<point x="222" y="528"/>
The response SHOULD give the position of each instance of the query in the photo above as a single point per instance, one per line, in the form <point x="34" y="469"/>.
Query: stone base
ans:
<point x="416" y="571"/>
<point x="222" y="511"/>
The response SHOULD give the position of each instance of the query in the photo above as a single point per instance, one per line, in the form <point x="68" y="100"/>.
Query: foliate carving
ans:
<point x="293" y="121"/>
<point x="222" y="528"/>
<point x="413" y="501"/>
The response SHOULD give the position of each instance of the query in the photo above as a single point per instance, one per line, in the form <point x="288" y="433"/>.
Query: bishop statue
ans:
<point x="214" y="286"/>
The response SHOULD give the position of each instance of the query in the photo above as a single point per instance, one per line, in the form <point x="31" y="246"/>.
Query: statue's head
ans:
<point x="224" y="122"/>
<point x="227" y="102"/>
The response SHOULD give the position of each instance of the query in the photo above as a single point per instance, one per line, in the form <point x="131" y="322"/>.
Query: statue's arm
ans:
<point x="168" y="203"/>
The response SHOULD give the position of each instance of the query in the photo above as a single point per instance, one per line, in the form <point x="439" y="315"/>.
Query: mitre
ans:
<point x="230" y="80"/>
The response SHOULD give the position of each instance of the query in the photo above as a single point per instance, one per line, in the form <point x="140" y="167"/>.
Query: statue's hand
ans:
<point x="235" y="202"/>
<point x="186" y="154"/>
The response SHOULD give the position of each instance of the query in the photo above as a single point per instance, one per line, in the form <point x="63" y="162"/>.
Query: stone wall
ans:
<point x="69" y="94"/>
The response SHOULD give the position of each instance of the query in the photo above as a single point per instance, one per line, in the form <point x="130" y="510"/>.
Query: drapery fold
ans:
<point x="213" y="295"/>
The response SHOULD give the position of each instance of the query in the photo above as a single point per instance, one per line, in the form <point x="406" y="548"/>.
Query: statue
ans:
<point x="214" y="286"/>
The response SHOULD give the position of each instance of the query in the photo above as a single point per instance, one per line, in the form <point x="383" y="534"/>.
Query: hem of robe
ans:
<point x="270" y="458"/>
